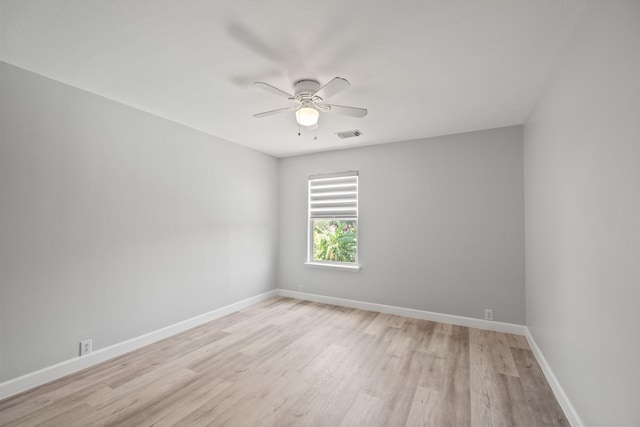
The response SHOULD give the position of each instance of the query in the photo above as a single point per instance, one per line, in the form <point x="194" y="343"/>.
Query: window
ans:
<point x="333" y="220"/>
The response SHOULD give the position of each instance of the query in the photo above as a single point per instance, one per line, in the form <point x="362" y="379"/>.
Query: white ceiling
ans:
<point x="421" y="67"/>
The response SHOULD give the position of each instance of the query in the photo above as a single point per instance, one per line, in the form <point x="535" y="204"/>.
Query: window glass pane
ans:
<point x="334" y="240"/>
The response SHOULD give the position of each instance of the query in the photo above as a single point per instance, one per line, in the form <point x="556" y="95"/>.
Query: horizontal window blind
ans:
<point x="333" y="195"/>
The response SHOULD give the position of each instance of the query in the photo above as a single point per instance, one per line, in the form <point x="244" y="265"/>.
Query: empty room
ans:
<point x="334" y="213"/>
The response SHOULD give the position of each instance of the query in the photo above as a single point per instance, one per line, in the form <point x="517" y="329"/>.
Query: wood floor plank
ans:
<point x="10" y="412"/>
<point x="420" y="332"/>
<point x="377" y="326"/>
<point x="433" y="372"/>
<point x="517" y="341"/>
<point x="480" y="379"/>
<point x="438" y="345"/>
<point x="82" y="410"/>
<point x="511" y="389"/>
<point x="426" y="408"/>
<point x="318" y="405"/>
<point x="443" y="328"/>
<point x="140" y="394"/>
<point x="176" y="414"/>
<point x="457" y="390"/>
<point x="365" y="411"/>
<point x="539" y="396"/>
<point x="501" y="356"/>
<point x="58" y="406"/>
<point x="286" y="362"/>
<point x="383" y="321"/>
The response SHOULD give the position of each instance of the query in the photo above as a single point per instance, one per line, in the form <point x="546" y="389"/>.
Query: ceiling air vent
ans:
<point x="349" y="134"/>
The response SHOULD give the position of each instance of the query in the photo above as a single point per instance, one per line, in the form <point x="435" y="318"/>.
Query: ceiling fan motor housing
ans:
<point x="304" y="89"/>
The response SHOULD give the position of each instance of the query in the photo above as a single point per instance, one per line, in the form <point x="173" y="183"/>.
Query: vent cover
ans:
<point x="349" y="134"/>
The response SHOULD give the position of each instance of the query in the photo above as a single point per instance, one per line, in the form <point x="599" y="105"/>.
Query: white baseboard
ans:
<point x="570" y="412"/>
<point x="511" y="328"/>
<point x="50" y="373"/>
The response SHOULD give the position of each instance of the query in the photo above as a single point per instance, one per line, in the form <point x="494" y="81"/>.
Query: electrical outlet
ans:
<point x="488" y="314"/>
<point x="86" y="347"/>
<point x="300" y="288"/>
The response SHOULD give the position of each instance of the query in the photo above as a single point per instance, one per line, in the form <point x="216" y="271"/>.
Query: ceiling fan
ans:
<point x="309" y="99"/>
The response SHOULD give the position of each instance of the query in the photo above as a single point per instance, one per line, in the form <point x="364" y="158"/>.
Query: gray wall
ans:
<point x="441" y="224"/>
<point x="115" y="222"/>
<point x="582" y="175"/>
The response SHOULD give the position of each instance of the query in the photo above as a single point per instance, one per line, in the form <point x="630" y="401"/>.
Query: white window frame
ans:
<point x="352" y="214"/>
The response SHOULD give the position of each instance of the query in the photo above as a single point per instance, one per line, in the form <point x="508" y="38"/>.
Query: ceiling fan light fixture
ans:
<point x="307" y="116"/>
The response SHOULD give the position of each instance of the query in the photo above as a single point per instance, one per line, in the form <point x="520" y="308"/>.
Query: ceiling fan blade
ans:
<point x="272" y="112"/>
<point x="274" y="90"/>
<point x="346" y="111"/>
<point x="338" y="84"/>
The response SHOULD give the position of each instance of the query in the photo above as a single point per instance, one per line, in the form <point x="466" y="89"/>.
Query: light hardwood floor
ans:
<point x="286" y="362"/>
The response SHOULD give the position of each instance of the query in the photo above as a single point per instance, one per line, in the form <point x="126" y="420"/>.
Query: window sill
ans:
<point x="342" y="267"/>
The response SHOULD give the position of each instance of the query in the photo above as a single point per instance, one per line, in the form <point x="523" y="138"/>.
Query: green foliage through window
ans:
<point x="334" y="240"/>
